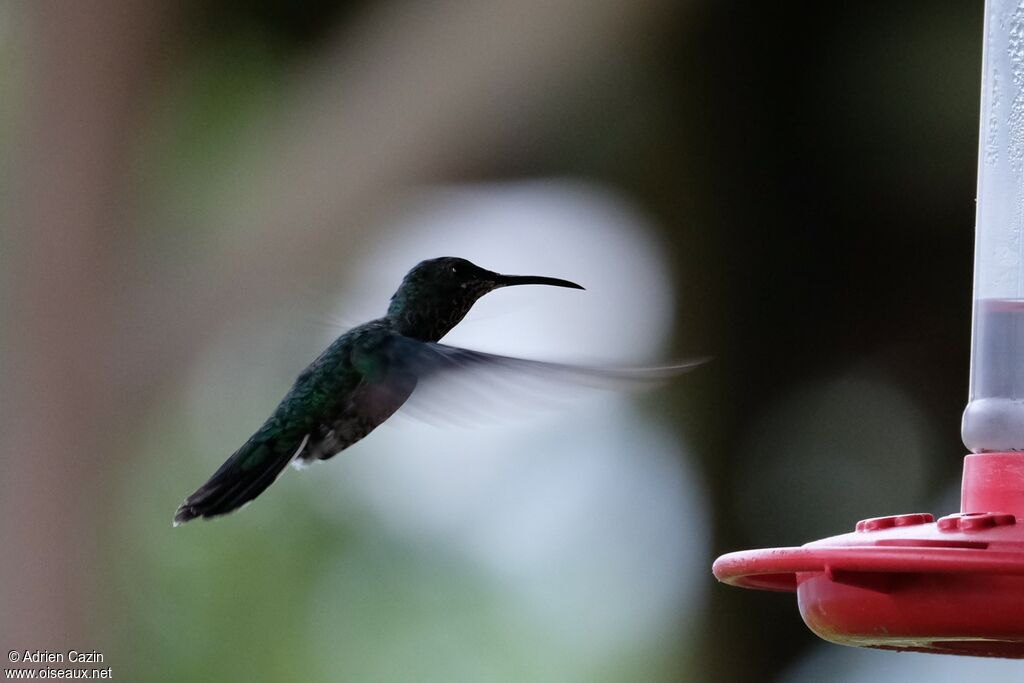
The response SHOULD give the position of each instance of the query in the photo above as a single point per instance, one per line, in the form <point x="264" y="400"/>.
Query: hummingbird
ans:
<point x="369" y="372"/>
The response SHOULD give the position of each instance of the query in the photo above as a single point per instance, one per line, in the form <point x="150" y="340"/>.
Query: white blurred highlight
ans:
<point x="565" y="229"/>
<point x="587" y="517"/>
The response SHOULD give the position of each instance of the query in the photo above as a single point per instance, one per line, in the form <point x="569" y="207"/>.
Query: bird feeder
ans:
<point x="955" y="584"/>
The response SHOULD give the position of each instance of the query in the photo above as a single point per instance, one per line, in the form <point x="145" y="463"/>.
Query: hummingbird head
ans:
<point x="436" y="294"/>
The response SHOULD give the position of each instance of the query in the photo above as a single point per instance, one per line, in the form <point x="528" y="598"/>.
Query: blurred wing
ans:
<point x="463" y="386"/>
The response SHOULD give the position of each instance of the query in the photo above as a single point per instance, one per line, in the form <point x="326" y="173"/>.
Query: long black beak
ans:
<point x="512" y="280"/>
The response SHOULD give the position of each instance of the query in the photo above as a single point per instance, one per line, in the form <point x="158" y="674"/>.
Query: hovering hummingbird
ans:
<point x="369" y="372"/>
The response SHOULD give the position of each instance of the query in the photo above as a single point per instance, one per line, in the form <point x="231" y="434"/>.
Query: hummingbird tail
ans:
<point x="242" y="477"/>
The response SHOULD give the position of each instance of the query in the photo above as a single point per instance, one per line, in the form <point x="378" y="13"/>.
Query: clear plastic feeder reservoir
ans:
<point x="994" y="419"/>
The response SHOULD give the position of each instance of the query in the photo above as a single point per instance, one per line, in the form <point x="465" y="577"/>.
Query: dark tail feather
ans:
<point x="244" y="475"/>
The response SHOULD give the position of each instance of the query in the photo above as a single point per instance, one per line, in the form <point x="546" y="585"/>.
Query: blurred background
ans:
<point x="198" y="196"/>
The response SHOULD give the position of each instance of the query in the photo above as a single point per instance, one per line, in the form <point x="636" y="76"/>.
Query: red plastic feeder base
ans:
<point x="907" y="582"/>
